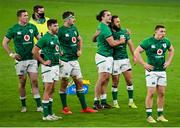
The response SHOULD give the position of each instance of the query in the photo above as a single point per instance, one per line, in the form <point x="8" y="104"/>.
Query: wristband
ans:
<point x="11" y="54"/>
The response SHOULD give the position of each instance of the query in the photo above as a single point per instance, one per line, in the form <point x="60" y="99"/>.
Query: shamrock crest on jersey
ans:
<point x="31" y="30"/>
<point x="164" y="45"/>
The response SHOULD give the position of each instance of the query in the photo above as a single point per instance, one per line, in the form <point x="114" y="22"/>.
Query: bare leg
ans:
<point x="160" y="99"/>
<point x="22" y="92"/>
<point x="35" y="90"/>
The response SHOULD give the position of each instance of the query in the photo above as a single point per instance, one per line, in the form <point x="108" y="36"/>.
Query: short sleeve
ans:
<point x="107" y="32"/>
<point x="77" y="31"/>
<point x="168" y="44"/>
<point x="41" y="43"/>
<point x="144" y="44"/>
<point x="10" y="33"/>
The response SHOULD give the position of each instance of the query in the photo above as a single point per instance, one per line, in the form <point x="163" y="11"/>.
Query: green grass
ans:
<point x="140" y="17"/>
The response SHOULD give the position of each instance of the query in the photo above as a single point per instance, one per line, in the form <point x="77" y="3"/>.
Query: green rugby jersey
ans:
<point x="104" y="48"/>
<point x="23" y="39"/>
<point x="120" y="51"/>
<point x="68" y="38"/>
<point x="50" y="48"/>
<point x="155" y="51"/>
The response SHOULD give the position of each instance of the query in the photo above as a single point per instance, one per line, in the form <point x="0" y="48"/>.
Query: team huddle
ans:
<point x="57" y="49"/>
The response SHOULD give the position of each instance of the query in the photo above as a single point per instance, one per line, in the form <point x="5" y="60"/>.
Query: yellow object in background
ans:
<point x="42" y="27"/>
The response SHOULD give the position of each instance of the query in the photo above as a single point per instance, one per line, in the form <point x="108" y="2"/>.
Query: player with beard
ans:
<point x="104" y="57"/>
<point x="49" y="44"/>
<point x="121" y="63"/>
<point x="39" y="19"/>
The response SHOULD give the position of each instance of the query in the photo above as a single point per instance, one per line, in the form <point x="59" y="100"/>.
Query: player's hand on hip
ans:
<point x="15" y="56"/>
<point x="47" y="62"/>
<point x="148" y="67"/>
<point x="60" y="62"/>
<point x="166" y="64"/>
<point x="79" y="52"/>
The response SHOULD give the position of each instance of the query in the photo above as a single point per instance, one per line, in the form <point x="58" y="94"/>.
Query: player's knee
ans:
<point x="129" y="82"/>
<point x="34" y="82"/>
<point x="150" y="95"/>
<point x="52" y="91"/>
<point x="161" y="94"/>
<point x="103" y="81"/>
<point x="22" y="79"/>
<point x="115" y="83"/>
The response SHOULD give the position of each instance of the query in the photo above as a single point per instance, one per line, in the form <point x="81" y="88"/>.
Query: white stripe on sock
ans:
<point x="96" y="98"/>
<point x="61" y="92"/>
<point x="130" y="87"/>
<point x="45" y="101"/>
<point x="159" y="109"/>
<point x="22" y="98"/>
<point x="149" y="110"/>
<point x="50" y="99"/>
<point x="103" y="96"/>
<point x="36" y="96"/>
<point x="114" y="89"/>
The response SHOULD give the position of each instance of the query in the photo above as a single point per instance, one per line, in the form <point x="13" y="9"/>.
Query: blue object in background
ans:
<point x="72" y="89"/>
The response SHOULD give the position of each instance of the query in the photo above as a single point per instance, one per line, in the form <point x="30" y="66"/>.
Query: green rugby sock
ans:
<point x="45" y="108"/>
<point x="80" y="94"/>
<point x="63" y="99"/>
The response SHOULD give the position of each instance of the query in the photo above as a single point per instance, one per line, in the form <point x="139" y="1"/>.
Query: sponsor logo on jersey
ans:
<point x="18" y="33"/>
<point x="66" y="35"/>
<point x="164" y="45"/>
<point x="51" y="42"/>
<point x="153" y="46"/>
<point x="159" y="51"/>
<point x="26" y="37"/>
<point x="31" y="30"/>
<point x="57" y="48"/>
<point x="74" y="39"/>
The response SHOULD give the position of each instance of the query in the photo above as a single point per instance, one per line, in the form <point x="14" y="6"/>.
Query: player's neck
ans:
<point x="157" y="38"/>
<point x="66" y="24"/>
<point x="50" y="32"/>
<point x="105" y="22"/>
<point x="22" y="23"/>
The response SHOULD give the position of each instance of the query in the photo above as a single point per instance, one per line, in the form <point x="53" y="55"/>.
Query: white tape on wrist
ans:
<point x="11" y="54"/>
